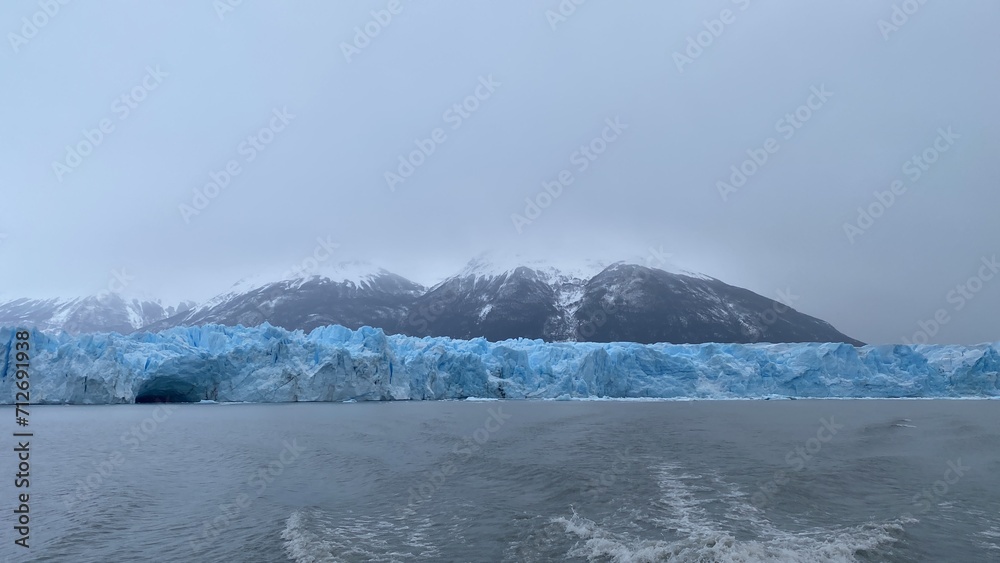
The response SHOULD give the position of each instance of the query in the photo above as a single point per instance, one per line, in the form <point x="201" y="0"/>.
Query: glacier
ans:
<point x="333" y="363"/>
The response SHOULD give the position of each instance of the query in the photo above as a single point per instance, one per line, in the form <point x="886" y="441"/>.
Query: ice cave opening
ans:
<point x="168" y="390"/>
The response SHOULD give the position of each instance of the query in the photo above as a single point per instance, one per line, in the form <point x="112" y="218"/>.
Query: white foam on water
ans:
<point x="312" y="536"/>
<point x="683" y="510"/>
<point x="992" y="540"/>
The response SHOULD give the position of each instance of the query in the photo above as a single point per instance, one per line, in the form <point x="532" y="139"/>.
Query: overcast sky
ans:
<point x="339" y="109"/>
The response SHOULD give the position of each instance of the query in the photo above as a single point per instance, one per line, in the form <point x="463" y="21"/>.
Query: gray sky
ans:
<point x="204" y="80"/>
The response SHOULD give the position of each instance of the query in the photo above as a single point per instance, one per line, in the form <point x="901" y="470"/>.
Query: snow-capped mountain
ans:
<point x="105" y="312"/>
<point x="352" y="294"/>
<point x="633" y="303"/>
<point x="502" y="299"/>
<point x="624" y="302"/>
<point x="496" y="297"/>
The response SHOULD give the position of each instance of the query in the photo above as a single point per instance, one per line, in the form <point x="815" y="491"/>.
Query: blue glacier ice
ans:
<point x="333" y="363"/>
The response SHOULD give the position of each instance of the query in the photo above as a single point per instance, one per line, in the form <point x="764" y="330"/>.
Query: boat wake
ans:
<point x="705" y="519"/>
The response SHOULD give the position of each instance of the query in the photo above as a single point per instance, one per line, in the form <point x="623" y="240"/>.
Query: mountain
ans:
<point x="620" y="303"/>
<point x="631" y="303"/>
<point x="503" y="299"/>
<point x="105" y="312"/>
<point x="498" y="298"/>
<point x="352" y="294"/>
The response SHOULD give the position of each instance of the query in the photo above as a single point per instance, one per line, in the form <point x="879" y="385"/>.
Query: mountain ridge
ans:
<point x="497" y="300"/>
<point x="103" y="312"/>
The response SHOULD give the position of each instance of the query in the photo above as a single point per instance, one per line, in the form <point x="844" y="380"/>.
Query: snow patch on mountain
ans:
<point x="485" y="311"/>
<point x="496" y="264"/>
<point x="360" y="274"/>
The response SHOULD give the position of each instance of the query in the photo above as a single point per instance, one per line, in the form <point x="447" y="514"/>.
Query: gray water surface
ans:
<point x="807" y="481"/>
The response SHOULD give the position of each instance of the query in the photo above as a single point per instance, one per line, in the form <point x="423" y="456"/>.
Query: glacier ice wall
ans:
<point x="269" y="364"/>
